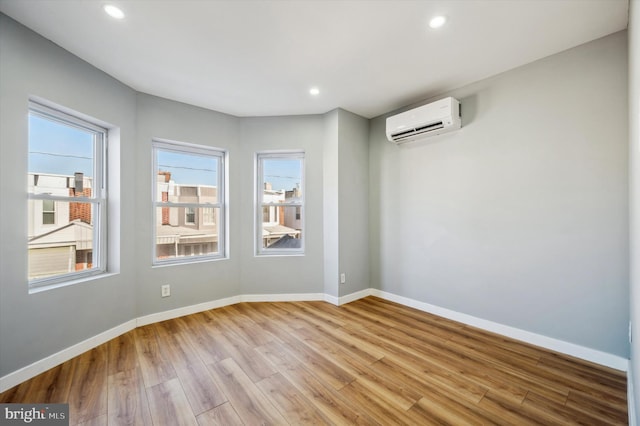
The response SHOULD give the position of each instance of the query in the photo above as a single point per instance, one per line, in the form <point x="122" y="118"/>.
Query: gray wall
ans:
<point x="521" y="217"/>
<point x="242" y="273"/>
<point x="353" y="201"/>
<point x="634" y="193"/>
<point x="190" y="283"/>
<point x="331" y="217"/>
<point x="346" y="202"/>
<point x="282" y="274"/>
<point x="38" y="325"/>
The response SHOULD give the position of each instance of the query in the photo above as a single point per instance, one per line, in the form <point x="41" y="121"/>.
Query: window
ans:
<point x="188" y="203"/>
<point x="280" y="203"/>
<point x="48" y="212"/>
<point x="190" y="217"/>
<point x="67" y="197"/>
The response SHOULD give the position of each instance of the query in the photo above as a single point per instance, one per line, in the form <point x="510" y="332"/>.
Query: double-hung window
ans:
<point x="67" y="197"/>
<point x="189" y="207"/>
<point x="280" y="203"/>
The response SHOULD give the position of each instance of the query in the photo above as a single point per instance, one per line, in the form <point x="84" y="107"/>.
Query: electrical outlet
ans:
<point x="343" y="278"/>
<point x="166" y="290"/>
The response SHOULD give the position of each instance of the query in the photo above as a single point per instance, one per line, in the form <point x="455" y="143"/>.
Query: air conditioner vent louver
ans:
<point x="406" y="132"/>
<point x="418" y="130"/>
<point x="438" y="125"/>
<point x="428" y="120"/>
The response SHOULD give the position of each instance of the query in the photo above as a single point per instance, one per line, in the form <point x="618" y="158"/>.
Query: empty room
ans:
<point x="319" y="212"/>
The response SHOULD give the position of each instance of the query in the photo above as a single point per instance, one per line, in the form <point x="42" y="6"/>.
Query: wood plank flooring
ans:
<point x="368" y="362"/>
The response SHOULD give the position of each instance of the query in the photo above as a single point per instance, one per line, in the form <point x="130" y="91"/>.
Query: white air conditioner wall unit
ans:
<point x="428" y="120"/>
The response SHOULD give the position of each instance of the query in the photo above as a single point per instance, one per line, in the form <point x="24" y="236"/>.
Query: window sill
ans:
<point x="40" y="289"/>
<point x="280" y="254"/>
<point x="188" y="262"/>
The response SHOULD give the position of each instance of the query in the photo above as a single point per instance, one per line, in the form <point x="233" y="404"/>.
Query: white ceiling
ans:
<point x="257" y="58"/>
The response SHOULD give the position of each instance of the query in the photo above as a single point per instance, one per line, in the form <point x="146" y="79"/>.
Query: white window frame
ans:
<point x="260" y="204"/>
<point x="98" y="200"/>
<point x="192" y="149"/>
<point x="52" y="212"/>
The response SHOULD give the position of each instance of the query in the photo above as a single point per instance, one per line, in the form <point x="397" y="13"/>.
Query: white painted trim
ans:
<point x="348" y="298"/>
<point x="332" y="299"/>
<point x="32" y="370"/>
<point x="602" y="358"/>
<point x="214" y="304"/>
<point x="186" y="310"/>
<point x="582" y="352"/>
<point x="292" y="297"/>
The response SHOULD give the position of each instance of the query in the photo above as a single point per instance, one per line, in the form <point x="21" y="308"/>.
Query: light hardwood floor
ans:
<point x="368" y="362"/>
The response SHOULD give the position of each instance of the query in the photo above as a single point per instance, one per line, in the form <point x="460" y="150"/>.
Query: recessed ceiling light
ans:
<point x="113" y="11"/>
<point x="314" y="91"/>
<point x="437" y="21"/>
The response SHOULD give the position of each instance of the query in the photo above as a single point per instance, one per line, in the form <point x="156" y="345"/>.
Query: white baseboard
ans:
<point x="32" y="370"/>
<point x="201" y="307"/>
<point x="598" y="357"/>
<point x="291" y="297"/>
<point x="354" y="296"/>
<point x="332" y="299"/>
<point x="348" y="297"/>
<point x="186" y="310"/>
<point x="582" y="352"/>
